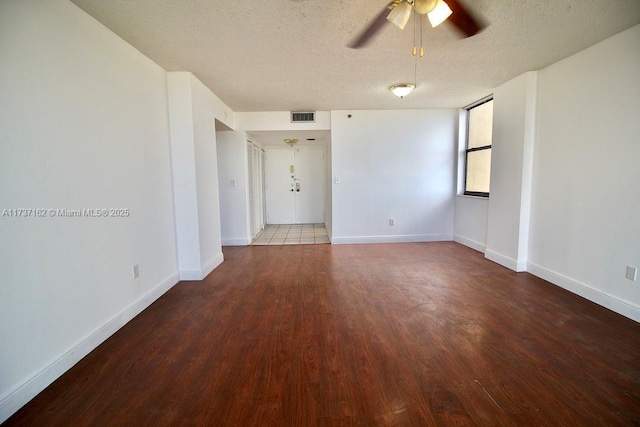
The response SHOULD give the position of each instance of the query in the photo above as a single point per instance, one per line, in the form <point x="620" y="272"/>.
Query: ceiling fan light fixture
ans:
<point x="439" y="14"/>
<point x="402" y="89"/>
<point x="399" y="15"/>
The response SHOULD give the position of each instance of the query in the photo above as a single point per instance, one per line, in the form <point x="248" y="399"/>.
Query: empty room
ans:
<point x="317" y="213"/>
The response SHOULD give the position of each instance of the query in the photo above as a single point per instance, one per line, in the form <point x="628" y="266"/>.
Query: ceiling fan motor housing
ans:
<point x="422" y="7"/>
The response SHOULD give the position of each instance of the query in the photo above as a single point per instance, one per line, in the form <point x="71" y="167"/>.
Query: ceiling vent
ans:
<point x="303" y="117"/>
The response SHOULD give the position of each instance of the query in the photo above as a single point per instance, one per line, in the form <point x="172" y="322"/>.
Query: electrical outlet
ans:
<point x="135" y="270"/>
<point x="392" y="221"/>
<point x="632" y="273"/>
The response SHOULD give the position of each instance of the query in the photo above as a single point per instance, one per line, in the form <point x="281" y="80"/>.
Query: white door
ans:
<point x="295" y="185"/>
<point x="310" y="181"/>
<point x="281" y="208"/>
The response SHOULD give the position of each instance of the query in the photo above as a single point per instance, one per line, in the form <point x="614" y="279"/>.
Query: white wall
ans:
<point x="565" y="175"/>
<point x="471" y="212"/>
<point x="193" y="109"/>
<point x="278" y="121"/>
<point x="585" y="226"/>
<point x="328" y="204"/>
<point x="183" y="160"/>
<point x="470" y="221"/>
<point x="393" y="164"/>
<point x="514" y="105"/>
<point x="206" y="108"/>
<point x="83" y="124"/>
<point x="234" y="202"/>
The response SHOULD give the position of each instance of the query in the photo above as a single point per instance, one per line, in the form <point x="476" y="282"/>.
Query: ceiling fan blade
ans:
<point x="463" y="20"/>
<point x="363" y="39"/>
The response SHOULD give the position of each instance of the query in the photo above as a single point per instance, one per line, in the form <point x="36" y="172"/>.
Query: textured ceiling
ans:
<point x="318" y="138"/>
<point x="270" y="55"/>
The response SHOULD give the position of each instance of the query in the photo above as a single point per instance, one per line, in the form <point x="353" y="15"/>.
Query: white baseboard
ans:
<point x="505" y="261"/>
<point x="613" y="303"/>
<point x="407" y="238"/>
<point x="26" y="391"/>
<point x="212" y="264"/>
<point x="480" y="247"/>
<point x="191" y="275"/>
<point x="204" y="271"/>
<point x="236" y="241"/>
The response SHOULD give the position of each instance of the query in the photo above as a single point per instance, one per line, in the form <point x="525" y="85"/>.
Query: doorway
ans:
<point x="295" y="179"/>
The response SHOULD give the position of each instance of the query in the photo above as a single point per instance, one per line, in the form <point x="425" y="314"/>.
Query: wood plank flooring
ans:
<point x="375" y="335"/>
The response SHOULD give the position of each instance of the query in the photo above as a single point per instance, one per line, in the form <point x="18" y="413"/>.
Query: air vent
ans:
<point x="303" y="117"/>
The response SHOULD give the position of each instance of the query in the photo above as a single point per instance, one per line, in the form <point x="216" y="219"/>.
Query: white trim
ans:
<point x="479" y="102"/>
<point x="212" y="264"/>
<point x="521" y="266"/>
<point x="236" y="241"/>
<point x="23" y="393"/>
<point x="613" y="303"/>
<point x="478" y="246"/>
<point x="468" y="196"/>
<point x="504" y="261"/>
<point x="191" y="275"/>
<point x="204" y="271"/>
<point x="407" y="238"/>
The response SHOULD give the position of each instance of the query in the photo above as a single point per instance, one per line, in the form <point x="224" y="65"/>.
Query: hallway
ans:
<point x="292" y="234"/>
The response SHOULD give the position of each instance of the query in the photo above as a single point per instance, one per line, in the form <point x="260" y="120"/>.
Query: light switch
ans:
<point x="336" y="180"/>
<point x="232" y="182"/>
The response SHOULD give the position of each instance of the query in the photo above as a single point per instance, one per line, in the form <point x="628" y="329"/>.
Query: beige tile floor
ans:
<point x="292" y="234"/>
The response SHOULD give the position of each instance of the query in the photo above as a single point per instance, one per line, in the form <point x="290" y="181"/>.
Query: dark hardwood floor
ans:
<point x="374" y="335"/>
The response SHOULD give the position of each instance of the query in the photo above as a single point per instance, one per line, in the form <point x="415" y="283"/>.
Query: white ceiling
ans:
<point x="317" y="138"/>
<point x="283" y="55"/>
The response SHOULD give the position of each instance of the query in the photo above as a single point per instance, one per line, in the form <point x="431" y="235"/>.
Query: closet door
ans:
<point x="255" y="187"/>
<point x="257" y="184"/>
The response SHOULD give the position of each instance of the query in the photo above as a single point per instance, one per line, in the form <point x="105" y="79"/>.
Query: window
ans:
<point x="478" y="152"/>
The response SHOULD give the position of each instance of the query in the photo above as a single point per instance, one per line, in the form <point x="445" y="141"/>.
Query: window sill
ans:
<point x="473" y="197"/>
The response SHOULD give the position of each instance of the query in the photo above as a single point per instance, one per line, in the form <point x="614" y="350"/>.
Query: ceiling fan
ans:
<point x="398" y="13"/>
